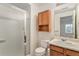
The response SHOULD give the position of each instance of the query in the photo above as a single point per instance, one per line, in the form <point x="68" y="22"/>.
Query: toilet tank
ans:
<point x="44" y="43"/>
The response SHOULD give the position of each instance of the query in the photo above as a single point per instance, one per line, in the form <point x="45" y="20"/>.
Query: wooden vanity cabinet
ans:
<point x="59" y="51"/>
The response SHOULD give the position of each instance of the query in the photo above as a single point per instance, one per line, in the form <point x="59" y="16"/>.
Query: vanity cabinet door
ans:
<point x="71" y="52"/>
<point x="55" y="53"/>
<point x="56" y="48"/>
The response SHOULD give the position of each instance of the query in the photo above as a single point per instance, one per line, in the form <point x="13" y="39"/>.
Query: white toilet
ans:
<point x="41" y="51"/>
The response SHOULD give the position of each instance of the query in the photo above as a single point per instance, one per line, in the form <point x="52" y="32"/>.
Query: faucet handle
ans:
<point x="63" y="39"/>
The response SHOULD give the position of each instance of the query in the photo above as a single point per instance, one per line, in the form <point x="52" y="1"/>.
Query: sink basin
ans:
<point x="69" y="43"/>
<point x="65" y="42"/>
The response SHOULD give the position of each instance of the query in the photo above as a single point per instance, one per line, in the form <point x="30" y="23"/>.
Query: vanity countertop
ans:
<point x="73" y="44"/>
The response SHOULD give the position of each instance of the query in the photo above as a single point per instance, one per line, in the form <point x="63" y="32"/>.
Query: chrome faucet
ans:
<point x="63" y="39"/>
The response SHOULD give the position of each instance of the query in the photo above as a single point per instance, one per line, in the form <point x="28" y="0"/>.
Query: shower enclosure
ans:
<point x="11" y="30"/>
<point x="26" y="25"/>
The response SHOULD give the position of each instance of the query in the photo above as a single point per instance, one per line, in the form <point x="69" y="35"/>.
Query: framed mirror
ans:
<point x="65" y="24"/>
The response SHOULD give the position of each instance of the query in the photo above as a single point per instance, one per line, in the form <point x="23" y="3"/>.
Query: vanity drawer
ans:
<point x="55" y="53"/>
<point x="71" y="52"/>
<point x="56" y="48"/>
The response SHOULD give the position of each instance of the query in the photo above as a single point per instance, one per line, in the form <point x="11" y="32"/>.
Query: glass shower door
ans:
<point x="11" y="42"/>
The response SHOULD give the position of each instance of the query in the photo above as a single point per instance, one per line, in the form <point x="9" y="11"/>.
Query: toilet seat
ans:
<point x="40" y="51"/>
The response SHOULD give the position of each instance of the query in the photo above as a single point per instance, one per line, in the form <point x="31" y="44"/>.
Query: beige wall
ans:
<point x="35" y="35"/>
<point x="33" y="29"/>
<point x="47" y="35"/>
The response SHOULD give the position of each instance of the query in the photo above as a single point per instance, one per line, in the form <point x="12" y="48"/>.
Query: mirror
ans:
<point x="68" y="28"/>
<point x="65" y="24"/>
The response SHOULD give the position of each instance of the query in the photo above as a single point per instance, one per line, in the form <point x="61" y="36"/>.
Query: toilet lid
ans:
<point x="40" y="50"/>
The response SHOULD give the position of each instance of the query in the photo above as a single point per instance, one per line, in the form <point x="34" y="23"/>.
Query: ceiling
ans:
<point x="42" y="4"/>
<point x="24" y="6"/>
